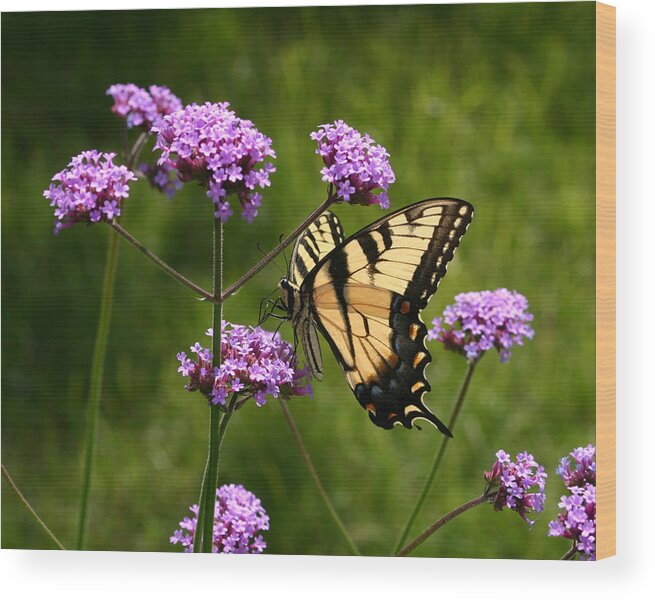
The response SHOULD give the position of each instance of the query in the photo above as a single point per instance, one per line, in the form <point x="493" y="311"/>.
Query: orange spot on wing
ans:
<point x="418" y="358"/>
<point x="417" y="386"/>
<point x="371" y="408"/>
<point x="405" y="307"/>
<point x="413" y="330"/>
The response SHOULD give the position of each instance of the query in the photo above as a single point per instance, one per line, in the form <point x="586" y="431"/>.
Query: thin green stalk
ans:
<point x="438" y="457"/>
<point x="136" y="149"/>
<point x="164" y="266"/>
<point x="22" y="498"/>
<point x="125" y="144"/>
<point x="570" y="554"/>
<point x="279" y="248"/>
<point x="242" y="280"/>
<point x="217" y="425"/>
<point x="440" y="523"/>
<point x="202" y="506"/>
<point x="210" y="498"/>
<point x="95" y="385"/>
<point x="99" y="352"/>
<point x="315" y="477"/>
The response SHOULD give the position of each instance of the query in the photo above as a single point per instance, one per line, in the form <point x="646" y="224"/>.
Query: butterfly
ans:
<point x="364" y="294"/>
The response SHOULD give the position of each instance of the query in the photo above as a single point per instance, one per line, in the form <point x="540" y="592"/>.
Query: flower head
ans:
<point x="577" y="518"/>
<point x="209" y="144"/>
<point x="516" y="483"/>
<point x="163" y="178"/>
<point x="479" y="321"/>
<point x="143" y="108"/>
<point x="355" y="165"/>
<point x="254" y="363"/>
<point x="239" y="517"/>
<point x="91" y="189"/>
<point x="584" y="467"/>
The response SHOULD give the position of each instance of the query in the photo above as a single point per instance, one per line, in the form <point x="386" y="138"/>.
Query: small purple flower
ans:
<point x="577" y="519"/>
<point x="355" y="165"/>
<point x="480" y="321"/>
<point x="211" y="145"/>
<point x="254" y="363"/>
<point x="239" y="517"/>
<point x="143" y="108"/>
<point x="516" y="482"/>
<point x="584" y="469"/>
<point x="89" y="190"/>
<point x="163" y="178"/>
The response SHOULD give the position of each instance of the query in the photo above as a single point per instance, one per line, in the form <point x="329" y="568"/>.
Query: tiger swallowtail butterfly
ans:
<point x="365" y="293"/>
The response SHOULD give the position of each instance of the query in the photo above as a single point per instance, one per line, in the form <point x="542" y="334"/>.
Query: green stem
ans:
<point x="125" y="145"/>
<point x="315" y="477"/>
<point x="279" y="248"/>
<point x="242" y="280"/>
<point x="204" y="529"/>
<point x="136" y="149"/>
<point x="570" y="554"/>
<point x="95" y="385"/>
<point x="440" y="523"/>
<point x="160" y="263"/>
<point x="217" y="425"/>
<point x="99" y="352"/>
<point x="22" y="498"/>
<point x="438" y="457"/>
<point x="207" y="499"/>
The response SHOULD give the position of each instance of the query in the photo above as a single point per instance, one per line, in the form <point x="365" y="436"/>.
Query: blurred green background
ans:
<point x="491" y="103"/>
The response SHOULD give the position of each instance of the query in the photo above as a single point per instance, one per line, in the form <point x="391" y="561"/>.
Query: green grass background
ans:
<point x="491" y="103"/>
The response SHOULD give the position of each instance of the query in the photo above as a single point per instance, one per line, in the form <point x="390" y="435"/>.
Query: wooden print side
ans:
<point x="605" y="280"/>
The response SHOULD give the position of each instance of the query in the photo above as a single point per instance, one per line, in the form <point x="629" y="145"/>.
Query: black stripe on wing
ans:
<point x="397" y="396"/>
<point x="420" y="240"/>
<point x="314" y="244"/>
<point x="338" y="269"/>
<point x="454" y="222"/>
<point x="391" y="233"/>
<point x="312" y="350"/>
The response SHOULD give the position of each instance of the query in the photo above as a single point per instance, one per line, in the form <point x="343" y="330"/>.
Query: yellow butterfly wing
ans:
<point x="365" y="296"/>
<point x="314" y="244"/>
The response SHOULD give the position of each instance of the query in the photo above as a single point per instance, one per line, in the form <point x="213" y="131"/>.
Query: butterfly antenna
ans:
<point x="284" y="255"/>
<point x="278" y="267"/>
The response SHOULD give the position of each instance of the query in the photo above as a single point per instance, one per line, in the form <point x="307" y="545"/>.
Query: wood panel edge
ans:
<point x="605" y="280"/>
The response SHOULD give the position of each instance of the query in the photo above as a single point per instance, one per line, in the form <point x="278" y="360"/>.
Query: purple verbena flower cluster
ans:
<point x="355" y="165"/>
<point x="515" y="480"/>
<point x="140" y="107"/>
<point x="239" y="517"/>
<point x="577" y="519"/>
<point x="584" y="467"/>
<point x="162" y="177"/>
<point x="254" y="362"/>
<point x="209" y="144"/>
<point x="89" y="190"/>
<point x="479" y="321"/>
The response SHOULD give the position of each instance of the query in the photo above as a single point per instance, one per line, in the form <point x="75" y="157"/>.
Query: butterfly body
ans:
<point x="365" y="293"/>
